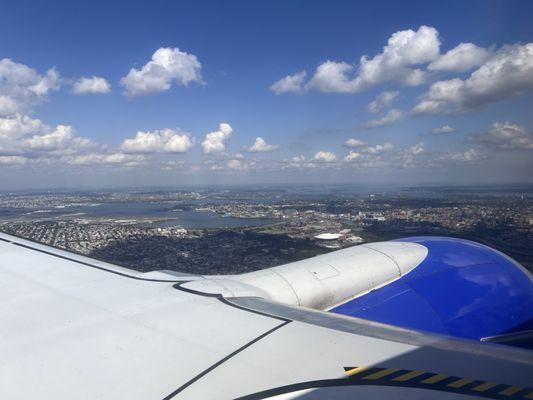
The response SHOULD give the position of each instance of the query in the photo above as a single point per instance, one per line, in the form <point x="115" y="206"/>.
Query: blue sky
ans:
<point x="236" y="70"/>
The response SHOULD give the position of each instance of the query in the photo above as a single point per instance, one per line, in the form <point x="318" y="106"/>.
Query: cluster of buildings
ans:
<point x="300" y="228"/>
<point x="195" y="251"/>
<point x="83" y="237"/>
<point x="42" y="200"/>
<point x="244" y="210"/>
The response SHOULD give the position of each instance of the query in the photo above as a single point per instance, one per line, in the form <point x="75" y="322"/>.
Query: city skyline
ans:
<point x="236" y="92"/>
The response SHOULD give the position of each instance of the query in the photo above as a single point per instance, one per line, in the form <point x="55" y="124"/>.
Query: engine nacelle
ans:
<point x="324" y="281"/>
<point x="461" y="288"/>
<point x="435" y="284"/>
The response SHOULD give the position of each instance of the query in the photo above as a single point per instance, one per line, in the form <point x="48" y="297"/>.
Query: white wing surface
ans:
<point x="76" y="328"/>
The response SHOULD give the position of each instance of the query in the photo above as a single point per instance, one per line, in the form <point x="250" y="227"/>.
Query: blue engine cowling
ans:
<point x="462" y="288"/>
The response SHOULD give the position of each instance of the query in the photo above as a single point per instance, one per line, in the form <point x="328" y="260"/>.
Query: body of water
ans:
<point x="161" y="214"/>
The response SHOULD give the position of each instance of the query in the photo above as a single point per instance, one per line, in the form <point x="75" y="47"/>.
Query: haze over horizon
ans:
<point x="103" y="95"/>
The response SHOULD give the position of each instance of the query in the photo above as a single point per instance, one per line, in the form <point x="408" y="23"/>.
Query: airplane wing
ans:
<point x="76" y="328"/>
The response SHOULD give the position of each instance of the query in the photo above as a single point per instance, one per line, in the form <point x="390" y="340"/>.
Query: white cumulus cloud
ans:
<point x="334" y="77"/>
<point x="352" y="156"/>
<point x="18" y="126"/>
<point x="389" y="118"/>
<point x="468" y="156"/>
<point x="261" y="146"/>
<point x="22" y="88"/>
<point x="443" y="129"/>
<point x="508" y="73"/>
<point x="110" y="159"/>
<point x="290" y="84"/>
<point x="215" y="142"/>
<point x="164" y="140"/>
<point x="60" y="138"/>
<point x="236" y="164"/>
<point x="298" y="159"/>
<point x="506" y="136"/>
<point x="397" y="62"/>
<point x="21" y="134"/>
<point x="408" y="158"/>
<point x="350" y="143"/>
<point x="383" y="100"/>
<point x="461" y="58"/>
<point x="324" y="156"/>
<point x="377" y="149"/>
<point x="93" y="85"/>
<point x="166" y="67"/>
<point x="416" y="149"/>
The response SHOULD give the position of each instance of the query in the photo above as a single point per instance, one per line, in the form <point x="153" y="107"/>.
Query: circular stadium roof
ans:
<point x="328" y="236"/>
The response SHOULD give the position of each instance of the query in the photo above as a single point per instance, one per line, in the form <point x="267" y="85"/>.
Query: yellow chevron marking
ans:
<point x="408" y="376"/>
<point x="484" y="386"/>
<point x="435" y="378"/>
<point x="460" y="383"/>
<point x="355" y="371"/>
<point x="510" y="391"/>
<point x="381" y="374"/>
